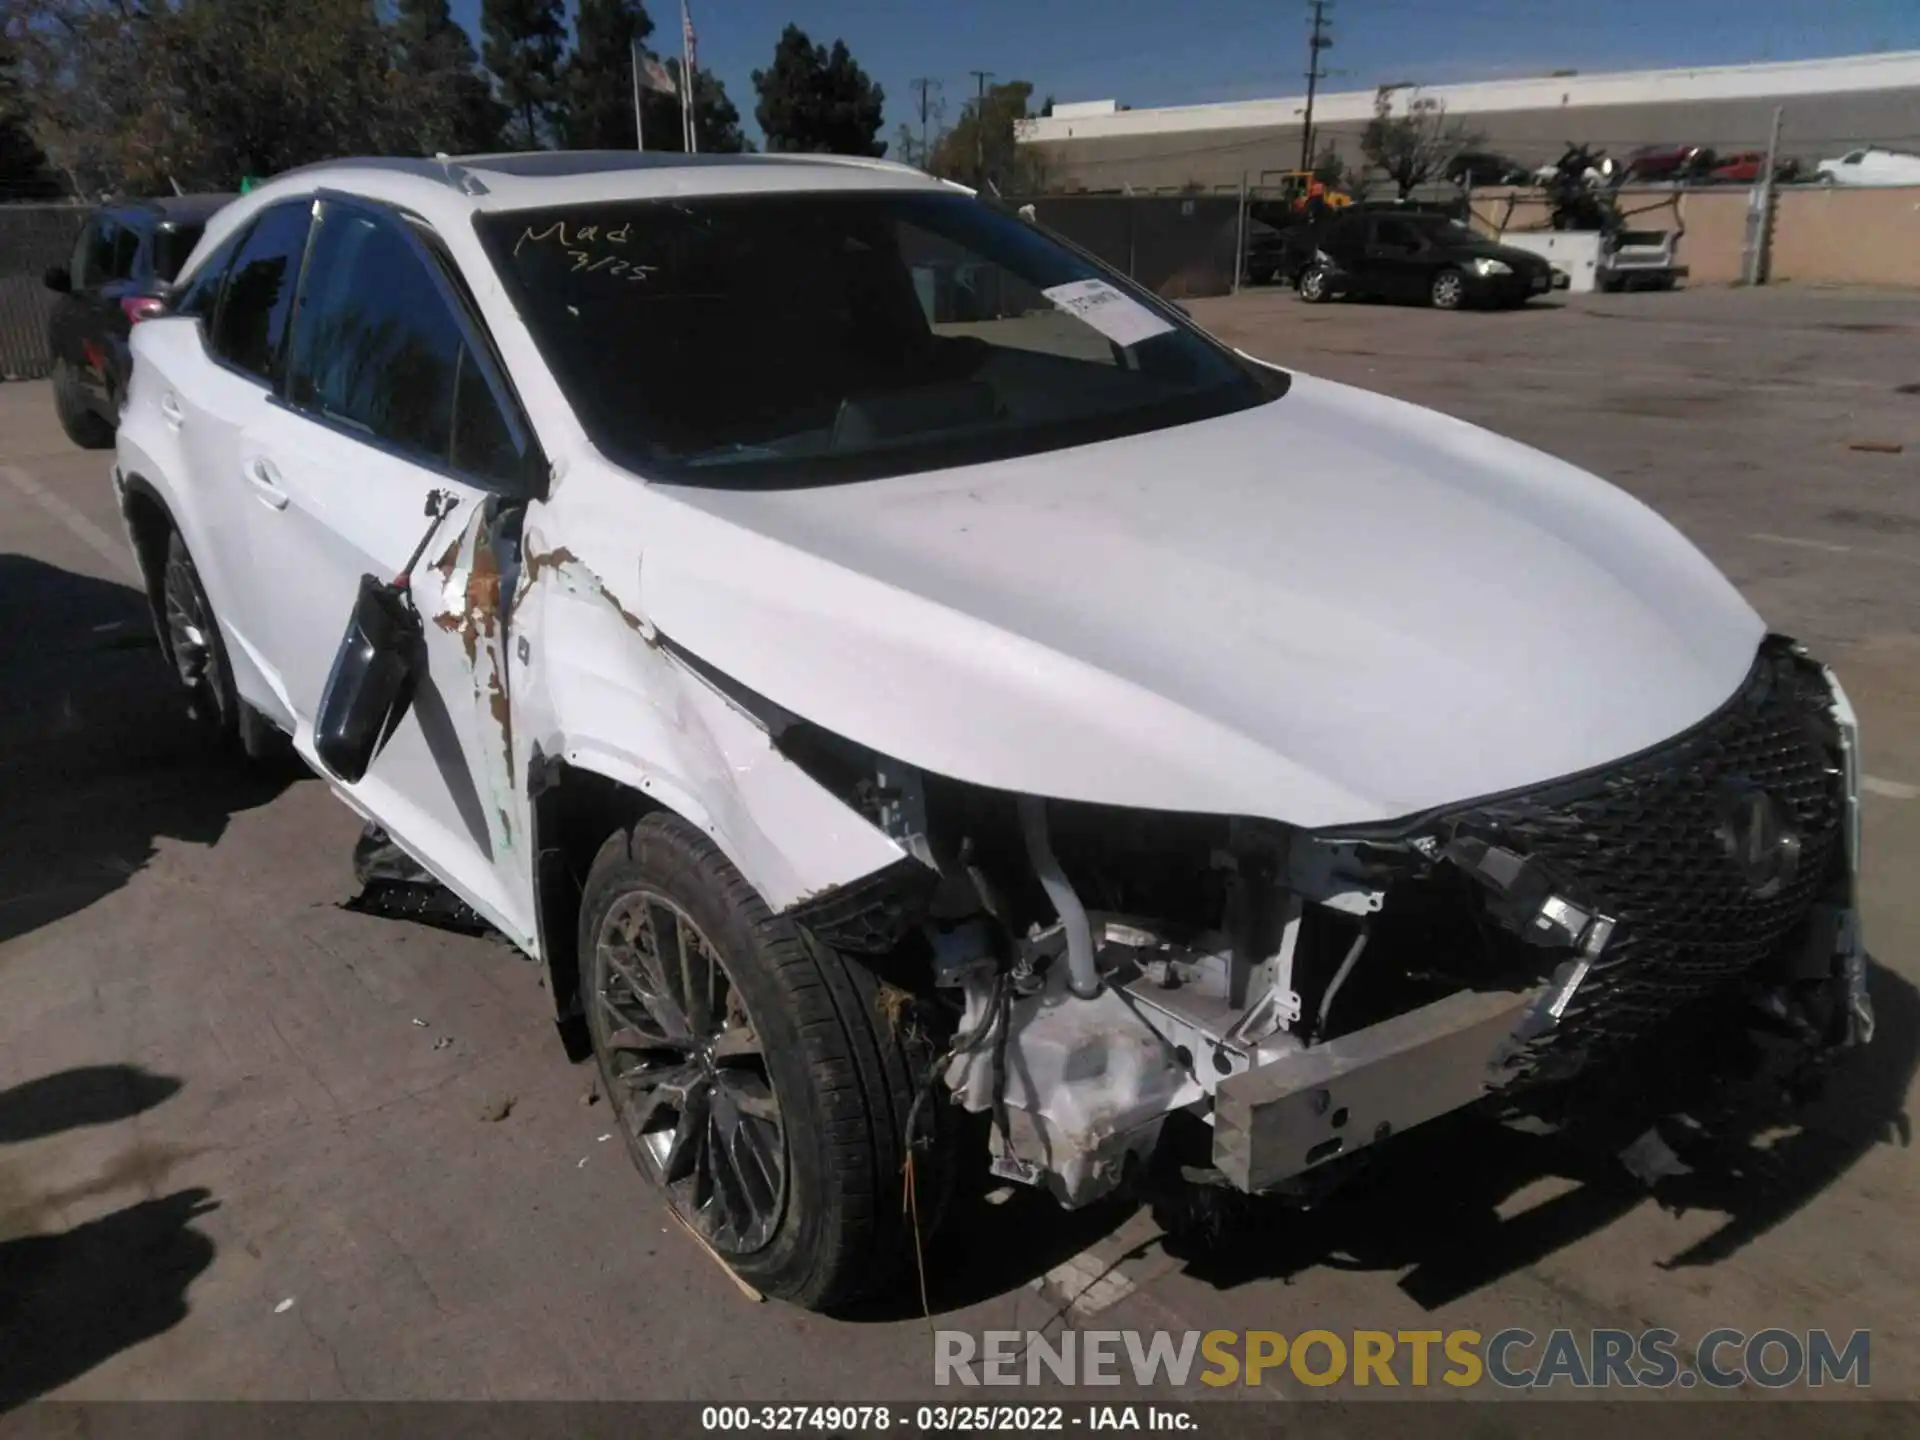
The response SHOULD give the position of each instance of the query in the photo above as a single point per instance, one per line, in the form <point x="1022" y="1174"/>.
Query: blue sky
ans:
<point x="1171" y="52"/>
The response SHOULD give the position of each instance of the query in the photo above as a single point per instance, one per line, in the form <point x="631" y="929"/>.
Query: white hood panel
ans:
<point x="1330" y="609"/>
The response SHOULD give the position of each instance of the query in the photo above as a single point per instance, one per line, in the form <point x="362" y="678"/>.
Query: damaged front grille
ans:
<point x="1708" y="853"/>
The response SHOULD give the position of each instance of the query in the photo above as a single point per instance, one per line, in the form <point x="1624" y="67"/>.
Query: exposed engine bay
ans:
<point x="1115" y="978"/>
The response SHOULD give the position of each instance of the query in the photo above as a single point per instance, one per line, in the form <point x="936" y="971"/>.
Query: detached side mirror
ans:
<point x="58" y="279"/>
<point x="372" y="681"/>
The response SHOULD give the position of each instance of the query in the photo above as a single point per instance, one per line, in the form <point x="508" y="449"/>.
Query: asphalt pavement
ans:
<point x="254" y="1145"/>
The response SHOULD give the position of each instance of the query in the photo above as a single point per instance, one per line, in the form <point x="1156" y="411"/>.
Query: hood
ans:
<point x="1330" y="609"/>
<point x="1473" y="249"/>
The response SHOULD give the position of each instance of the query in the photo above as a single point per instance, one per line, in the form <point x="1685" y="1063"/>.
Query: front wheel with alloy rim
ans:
<point x="1449" y="290"/>
<point x="762" y="1081"/>
<point x="1315" y="284"/>
<point x="194" y="645"/>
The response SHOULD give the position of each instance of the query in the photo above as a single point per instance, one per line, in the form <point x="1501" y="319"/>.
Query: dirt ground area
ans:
<point x="254" y="1145"/>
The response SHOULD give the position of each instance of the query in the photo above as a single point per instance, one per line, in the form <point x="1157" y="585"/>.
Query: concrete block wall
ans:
<point x="1822" y="234"/>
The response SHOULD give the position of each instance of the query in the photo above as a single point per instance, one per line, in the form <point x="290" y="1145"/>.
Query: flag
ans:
<point x="655" y="76"/>
<point x="688" y="52"/>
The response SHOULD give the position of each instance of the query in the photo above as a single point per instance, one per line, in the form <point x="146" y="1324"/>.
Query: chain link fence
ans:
<point x="1177" y="246"/>
<point x="32" y="237"/>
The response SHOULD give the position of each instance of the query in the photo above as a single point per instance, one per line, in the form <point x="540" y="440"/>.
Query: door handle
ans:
<point x="265" y="481"/>
<point x="171" y="412"/>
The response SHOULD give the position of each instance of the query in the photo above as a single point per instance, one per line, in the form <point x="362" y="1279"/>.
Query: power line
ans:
<point x="1318" y="42"/>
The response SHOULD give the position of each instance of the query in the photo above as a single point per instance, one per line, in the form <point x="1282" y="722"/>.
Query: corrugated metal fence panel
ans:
<point x="32" y="237"/>
<point x="1175" y="245"/>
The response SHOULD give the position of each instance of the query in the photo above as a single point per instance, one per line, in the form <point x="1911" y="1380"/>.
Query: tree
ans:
<point x="447" y="103"/>
<point x="982" y="148"/>
<point x="136" y="97"/>
<point x="25" y="172"/>
<point x="95" y="82"/>
<point x="261" y="86"/>
<point x="597" y="86"/>
<point x="714" y="115"/>
<point x="1328" y="168"/>
<point x="818" y="100"/>
<point x="597" y="90"/>
<point x="1416" y="144"/>
<point x="523" y="41"/>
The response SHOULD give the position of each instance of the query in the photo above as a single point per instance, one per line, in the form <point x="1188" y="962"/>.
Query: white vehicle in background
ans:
<point x="1872" y="165"/>
<point x="912" y="688"/>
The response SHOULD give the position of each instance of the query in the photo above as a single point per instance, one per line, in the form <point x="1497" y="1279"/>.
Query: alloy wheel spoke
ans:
<point x="634" y="1026"/>
<point x="696" y="978"/>
<point x="649" y="1105"/>
<point x="729" y="1188"/>
<point x="739" y="1042"/>
<point x="641" y="976"/>
<point x="689" y="1137"/>
<point x="749" y="1095"/>
<point x="757" y="1154"/>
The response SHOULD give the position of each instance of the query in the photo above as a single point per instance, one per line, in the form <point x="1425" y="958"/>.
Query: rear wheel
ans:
<point x="1449" y="291"/>
<point x="763" y="1082"/>
<point x="1316" y="285"/>
<point x="193" y="644"/>
<point x="83" y="425"/>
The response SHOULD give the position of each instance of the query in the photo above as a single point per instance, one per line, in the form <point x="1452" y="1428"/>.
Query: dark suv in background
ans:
<point x="127" y="253"/>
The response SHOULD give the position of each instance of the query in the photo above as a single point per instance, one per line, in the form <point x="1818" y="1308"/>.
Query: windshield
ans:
<point x="792" y="339"/>
<point x="172" y="244"/>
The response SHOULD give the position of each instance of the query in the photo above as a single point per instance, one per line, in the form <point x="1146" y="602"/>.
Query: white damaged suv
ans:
<point x="916" y="690"/>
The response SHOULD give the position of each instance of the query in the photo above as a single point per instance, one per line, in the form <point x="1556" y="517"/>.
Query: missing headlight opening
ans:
<point x="1246" y="1005"/>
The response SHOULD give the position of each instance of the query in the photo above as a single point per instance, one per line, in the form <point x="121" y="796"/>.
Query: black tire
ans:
<point x="190" y="640"/>
<point x="1448" y="291"/>
<point x="83" y="425"/>
<point x="1315" y="285"/>
<point x="839" y="1054"/>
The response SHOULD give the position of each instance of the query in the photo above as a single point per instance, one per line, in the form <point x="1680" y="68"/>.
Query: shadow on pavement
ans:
<point x="90" y="1095"/>
<point x="1431" y="1207"/>
<point x="69" y="1299"/>
<point x="97" y="756"/>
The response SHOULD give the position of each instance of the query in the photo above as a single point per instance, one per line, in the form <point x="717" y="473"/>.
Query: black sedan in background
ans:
<point x="1417" y="256"/>
<point x="127" y="253"/>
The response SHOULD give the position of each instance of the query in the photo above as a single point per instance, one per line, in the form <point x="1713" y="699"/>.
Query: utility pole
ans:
<point x="923" y="85"/>
<point x="1753" y="263"/>
<point x="1319" y="41"/>
<point x="980" y="126"/>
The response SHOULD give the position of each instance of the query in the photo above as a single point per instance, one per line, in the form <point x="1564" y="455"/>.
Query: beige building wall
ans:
<point x="1855" y="237"/>
<point x="1821" y="234"/>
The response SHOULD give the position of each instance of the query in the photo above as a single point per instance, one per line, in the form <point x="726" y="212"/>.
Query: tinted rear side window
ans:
<point x="93" y="256"/>
<point x="126" y="252"/>
<point x="202" y="293"/>
<point x="249" y="330"/>
<point x="172" y="244"/>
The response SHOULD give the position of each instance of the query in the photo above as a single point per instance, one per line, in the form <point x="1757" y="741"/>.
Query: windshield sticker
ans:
<point x="1116" y="315"/>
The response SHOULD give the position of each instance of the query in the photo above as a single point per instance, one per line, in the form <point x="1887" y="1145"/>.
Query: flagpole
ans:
<point x="692" y="133"/>
<point x="639" y="125"/>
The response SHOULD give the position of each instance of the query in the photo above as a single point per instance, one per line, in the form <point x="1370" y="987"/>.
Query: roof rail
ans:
<point x="858" y="162"/>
